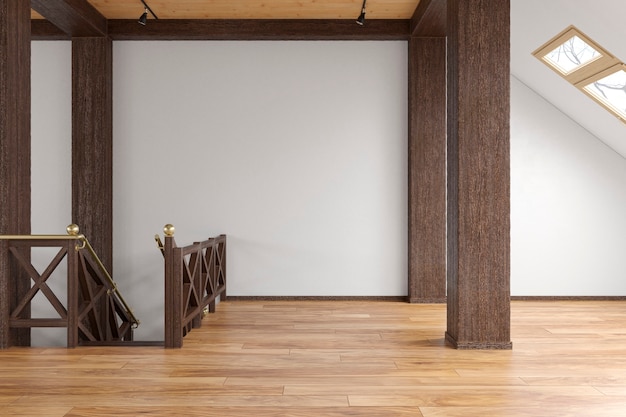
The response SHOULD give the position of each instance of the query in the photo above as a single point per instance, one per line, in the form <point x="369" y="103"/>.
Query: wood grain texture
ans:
<point x="15" y="151"/>
<point x="249" y="9"/>
<point x="429" y="18"/>
<point x="329" y="358"/>
<point x="42" y="30"/>
<point x="92" y="143"/>
<point x="427" y="170"/>
<point x="255" y="29"/>
<point x="478" y="174"/>
<point x="76" y="17"/>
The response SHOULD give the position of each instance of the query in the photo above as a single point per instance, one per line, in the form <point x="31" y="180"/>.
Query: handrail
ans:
<point x="73" y="233"/>
<point x="94" y="312"/>
<point x="195" y="275"/>
<point x="160" y="244"/>
<point x="40" y="237"/>
<point x="129" y="311"/>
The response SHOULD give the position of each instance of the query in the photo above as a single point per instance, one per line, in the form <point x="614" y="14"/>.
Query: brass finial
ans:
<point x="73" y="229"/>
<point x="169" y="230"/>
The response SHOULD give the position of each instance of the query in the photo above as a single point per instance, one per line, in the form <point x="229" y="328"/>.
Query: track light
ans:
<point x="144" y="17"/>
<point x="361" y="19"/>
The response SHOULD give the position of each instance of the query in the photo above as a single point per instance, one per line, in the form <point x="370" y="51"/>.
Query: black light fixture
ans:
<point x="144" y="17"/>
<point x="361" y="19"/>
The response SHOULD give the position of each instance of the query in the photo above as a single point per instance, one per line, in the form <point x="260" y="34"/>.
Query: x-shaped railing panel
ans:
<point x="39" y="281"/>
<point x="195" y="276"/>
<point x="94" y="311"/>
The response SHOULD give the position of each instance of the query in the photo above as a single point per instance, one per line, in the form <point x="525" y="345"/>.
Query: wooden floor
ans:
<point x="335" y="358"/>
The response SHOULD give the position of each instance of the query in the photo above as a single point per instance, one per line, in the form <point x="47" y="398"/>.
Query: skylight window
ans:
<point x="610" y="89"/>
<point x="572" y="54"/>
<point x="588" y="67"/>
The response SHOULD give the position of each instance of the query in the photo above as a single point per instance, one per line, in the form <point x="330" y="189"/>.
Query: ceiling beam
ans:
<point x="76" y="18"/>
<point x="258" y="29"/>
<point x="43" y="30"/>
<point x="429" y="19"/>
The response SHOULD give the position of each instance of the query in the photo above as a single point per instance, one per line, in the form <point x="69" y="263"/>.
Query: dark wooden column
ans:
<point x="427" y="169"/>
<point x="478" y="174"/>
<point x="92" y="143"/>
<point x="15" y="145"/>
<point x="92" y="122"/>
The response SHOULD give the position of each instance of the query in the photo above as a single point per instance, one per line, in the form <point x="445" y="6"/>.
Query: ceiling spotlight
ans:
<point x="144" y="17"/>
<point x="361" y="19"/>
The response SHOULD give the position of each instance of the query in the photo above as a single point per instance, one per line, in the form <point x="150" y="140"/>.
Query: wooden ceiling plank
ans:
<point x="255" y="9"/>
<point x="77" y="18"/>
<point x="429" y="19"/>
<point x="258" y="29"/>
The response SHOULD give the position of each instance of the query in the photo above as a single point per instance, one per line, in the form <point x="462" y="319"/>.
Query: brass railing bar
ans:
<point x="39" y="237"/>
<point x="87" y="245"/>
<point x="160" y="244"/>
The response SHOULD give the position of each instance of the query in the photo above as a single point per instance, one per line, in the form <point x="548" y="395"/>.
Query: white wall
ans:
<point x="295" y="150"/>
<point x="51" y="84"/>
<point x="568" y="228"/>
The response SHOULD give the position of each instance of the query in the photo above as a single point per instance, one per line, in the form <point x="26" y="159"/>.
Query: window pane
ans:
<point x="611" y="90"/>
<point x="571" y="55"/>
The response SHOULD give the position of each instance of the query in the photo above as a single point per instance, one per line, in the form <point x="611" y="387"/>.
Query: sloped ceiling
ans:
<point x="534" y="22"/>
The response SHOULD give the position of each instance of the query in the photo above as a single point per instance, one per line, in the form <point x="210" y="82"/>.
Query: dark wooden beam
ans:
<point x="15" y="155"/>
<point x="249" y="29"/>
<point x="478" y="174"/>
<point x="43" y="30"/>
<point x="427" y="170"/>
<point x="429" y="19"/>
<point x="92" y="143"/>
<point x="77" y="18"/>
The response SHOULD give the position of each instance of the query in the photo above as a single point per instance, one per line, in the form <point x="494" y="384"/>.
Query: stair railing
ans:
<point x="95" y="313"/>
<point x="195" y="276"/>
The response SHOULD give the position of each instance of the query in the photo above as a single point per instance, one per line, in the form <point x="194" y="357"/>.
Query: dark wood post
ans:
<point x="5" y="296"/>
<point x="173" y="290"/>
<point x="92" y="143"/>
<point x="72" y="293"/>
<point x="15" y="196"/>
<point x="478" y="174"/>
<point x="427" y="170"/>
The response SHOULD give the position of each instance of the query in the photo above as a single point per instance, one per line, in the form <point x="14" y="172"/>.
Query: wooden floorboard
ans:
<point x="337" y="358"/>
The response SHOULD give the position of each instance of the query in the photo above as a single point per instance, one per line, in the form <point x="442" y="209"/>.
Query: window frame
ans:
<point x="587" y="73"/>
<point x="621" y="114"/>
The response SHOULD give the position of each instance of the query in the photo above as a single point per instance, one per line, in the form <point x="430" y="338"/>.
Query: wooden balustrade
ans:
<point x="94" y="312"/>
<point x="195" y="276"/>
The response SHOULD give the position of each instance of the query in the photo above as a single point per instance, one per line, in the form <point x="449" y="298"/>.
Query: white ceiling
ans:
<point x="533" y="22"/>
